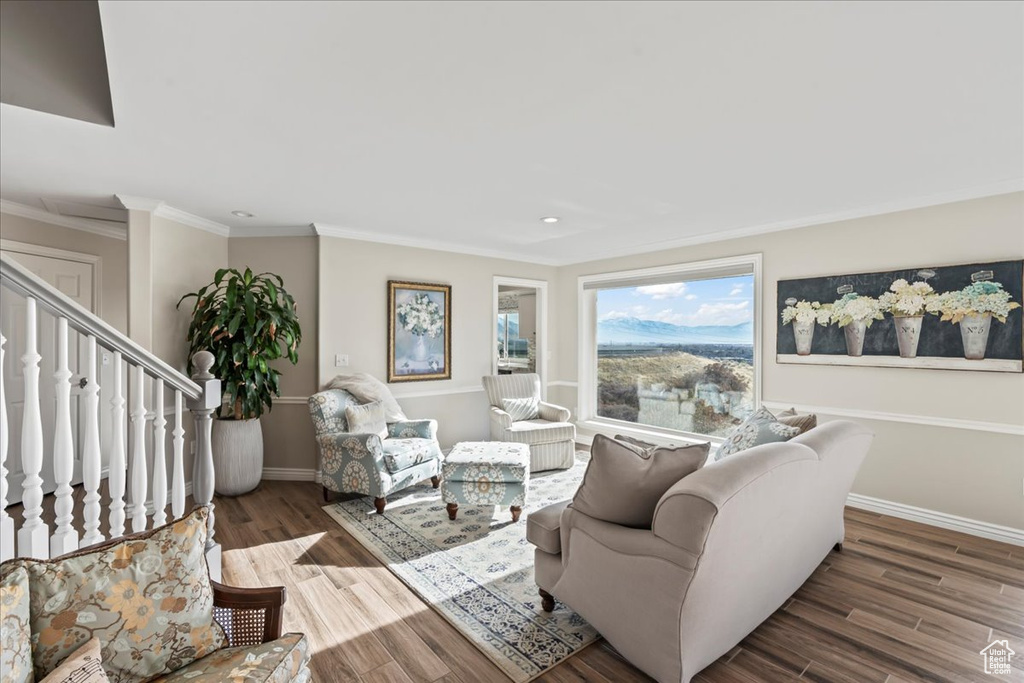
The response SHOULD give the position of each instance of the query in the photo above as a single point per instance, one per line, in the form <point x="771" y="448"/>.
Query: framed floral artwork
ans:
<point x="419" y="331"/>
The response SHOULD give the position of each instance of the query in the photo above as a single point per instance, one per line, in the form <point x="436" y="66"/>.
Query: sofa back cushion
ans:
<point x="623" y="484"/>
<point x="147" y="598"/>
<point x="760" y="427"/>
<point x="804" y="421"/>
<point x="15" y="635"/>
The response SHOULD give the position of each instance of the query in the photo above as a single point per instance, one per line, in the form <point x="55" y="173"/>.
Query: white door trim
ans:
<point x="542" y="324"/>
<point x="79" y="257"/>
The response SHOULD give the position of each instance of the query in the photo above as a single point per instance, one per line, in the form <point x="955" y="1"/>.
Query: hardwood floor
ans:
<point x="901" y="602"/>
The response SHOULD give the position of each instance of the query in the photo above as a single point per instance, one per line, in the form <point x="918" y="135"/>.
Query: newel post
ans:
<point x="202" y="409"/>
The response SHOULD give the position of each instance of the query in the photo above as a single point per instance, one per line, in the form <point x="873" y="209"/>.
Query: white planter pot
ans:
<point x="237" y="456"/>
<point x="803" y="332"/>
<point x="908" y="334"/>
<point x="974" y="331"/>
<point x="855" y="332"/>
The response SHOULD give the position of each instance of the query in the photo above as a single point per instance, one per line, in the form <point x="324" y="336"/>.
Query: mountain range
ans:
<point x="637" y="331"/>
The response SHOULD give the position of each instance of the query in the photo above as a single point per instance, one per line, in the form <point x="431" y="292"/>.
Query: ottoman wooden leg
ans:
<point x="516" y="511"/>
<point x="379" y="503"/>
<point x="547" y="601"/>
<point x="453" y="509"/>
<point x="435" y="480"/>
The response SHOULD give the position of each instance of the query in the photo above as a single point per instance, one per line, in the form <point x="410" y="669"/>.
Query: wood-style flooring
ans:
<point x="901" y="602"/>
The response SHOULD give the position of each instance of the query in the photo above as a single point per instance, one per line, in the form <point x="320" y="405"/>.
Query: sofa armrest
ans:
<point x="413" y="429"/>
<point x="553" y="413"/>
<point x="621" y="540"/>
<point x="543" y="527"/>
<point x="249" y="616"/>
<point x="350" y="443"/>
<point x="500" y="421"/>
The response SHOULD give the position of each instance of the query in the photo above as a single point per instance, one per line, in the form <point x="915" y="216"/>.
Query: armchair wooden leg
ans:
<point x="453" y="510"/>
<point x="327" y="495"/>
<point x="547" y="601"/>
<point x="838" y="547"/>
<point x="435" y="480"/>
<point x="516" y="511"/>
<point x="379" y="503"/>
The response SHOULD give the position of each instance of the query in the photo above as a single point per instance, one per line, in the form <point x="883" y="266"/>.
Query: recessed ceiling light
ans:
<point x="550" y="219"/>
<point x="241" y="214"/>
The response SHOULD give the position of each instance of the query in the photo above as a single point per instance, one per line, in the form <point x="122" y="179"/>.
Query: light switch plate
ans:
<point x="341" y="360"/>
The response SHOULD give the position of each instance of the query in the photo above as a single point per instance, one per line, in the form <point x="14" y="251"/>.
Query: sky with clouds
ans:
<point x="722" y="301"/>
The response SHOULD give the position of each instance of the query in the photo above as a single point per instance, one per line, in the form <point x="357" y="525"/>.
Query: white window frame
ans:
<point x="587" y="338"/>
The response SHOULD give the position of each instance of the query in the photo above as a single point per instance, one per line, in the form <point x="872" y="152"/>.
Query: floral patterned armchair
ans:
<point x="366" y="463"/>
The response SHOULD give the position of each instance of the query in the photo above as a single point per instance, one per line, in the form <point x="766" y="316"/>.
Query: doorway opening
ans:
<point x="519" y="328"/>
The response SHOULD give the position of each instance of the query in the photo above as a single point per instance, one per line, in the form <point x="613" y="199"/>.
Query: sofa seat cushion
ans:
<point x="279" y="661"/>
<point x="15" y="633"/>
<point x="533" y="432"/>
<point x="148" y="599"/>
<point x="401" y="454"/>
<point x="543" y="527"/>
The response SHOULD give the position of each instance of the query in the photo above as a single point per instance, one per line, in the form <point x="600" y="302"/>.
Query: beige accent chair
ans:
<point x="551" y="437"/>
<point x="728" y="546"/>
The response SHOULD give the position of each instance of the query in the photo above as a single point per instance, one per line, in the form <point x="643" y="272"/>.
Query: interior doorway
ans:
<point x="519" y="328"/>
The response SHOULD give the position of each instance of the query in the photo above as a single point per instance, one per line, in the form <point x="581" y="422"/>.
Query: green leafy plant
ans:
<point x="245" y="321"/>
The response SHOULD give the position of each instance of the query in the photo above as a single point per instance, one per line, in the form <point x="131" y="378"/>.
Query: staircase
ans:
<point x="147" y="505"/>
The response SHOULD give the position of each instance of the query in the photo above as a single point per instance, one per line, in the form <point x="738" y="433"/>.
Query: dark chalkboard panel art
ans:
<point x="939" y="340"/>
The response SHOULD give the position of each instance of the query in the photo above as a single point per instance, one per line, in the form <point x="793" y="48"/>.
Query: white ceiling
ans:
<point x="458" y="125"/>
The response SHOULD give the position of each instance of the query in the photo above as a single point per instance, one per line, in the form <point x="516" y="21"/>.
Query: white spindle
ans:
<point x="139" y="477"/>
<point x="159" y="461"/>
<point x="6" y="523"/>
<point x="178" y="465"/>
<point x="116" y="476"/>
<point x="34" y="535"/>
<point x="91" y="452"/>
<point x="65" y="538"/>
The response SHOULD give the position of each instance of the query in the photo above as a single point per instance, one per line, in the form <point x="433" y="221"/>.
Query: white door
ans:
<point x="76" y="280"/>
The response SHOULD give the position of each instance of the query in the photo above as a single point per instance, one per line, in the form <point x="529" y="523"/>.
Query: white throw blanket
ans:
<point x="367" y="389"/>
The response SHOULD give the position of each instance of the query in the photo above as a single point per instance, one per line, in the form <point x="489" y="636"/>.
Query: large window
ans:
<point x="672" y="349"/>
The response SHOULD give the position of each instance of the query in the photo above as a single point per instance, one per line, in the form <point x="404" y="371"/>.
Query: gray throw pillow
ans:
<point x="804" y="421"/>
<point x="520" y="409"/>
<point x="623" y="486"/>
<point x="367" y="418"/>
<point x="761" y="427"/>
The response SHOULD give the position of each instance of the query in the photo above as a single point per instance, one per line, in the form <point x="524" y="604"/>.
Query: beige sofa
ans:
<point x="729" y="544"/>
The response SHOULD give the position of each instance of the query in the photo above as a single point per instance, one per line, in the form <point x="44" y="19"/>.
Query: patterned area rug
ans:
<point x="476" y="571"/>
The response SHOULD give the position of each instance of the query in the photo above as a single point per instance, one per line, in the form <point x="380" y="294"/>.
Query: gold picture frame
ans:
<point x="419" y="331"/>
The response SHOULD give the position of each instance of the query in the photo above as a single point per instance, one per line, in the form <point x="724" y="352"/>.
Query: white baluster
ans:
<point x="91" y="452"/>
<point x="116" y="476"/>
<point x="159" y="462"/>
<point x="202" y="469"/>
<point x="65" y="538"/>
<point x="6" y="523"/>
<point x="178" y="465"/>
<point x="139" y="477"/>
<point x="34" y="535"/>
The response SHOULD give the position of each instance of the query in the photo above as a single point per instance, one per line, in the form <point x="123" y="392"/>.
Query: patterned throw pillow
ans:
<point x="83" y="666"/>
<point x="804" y="421"/>
<point x="522" y="408"/>
<point x="15" y="635"/>
<point x="761" y="427"/>
<point x="147" y="598"/>
<point x="367" y="418"/>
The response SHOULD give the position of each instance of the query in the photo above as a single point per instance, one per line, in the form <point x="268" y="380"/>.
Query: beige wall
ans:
<point x="974" y="474"/>
<point x="353" y="315"/>
<point x="113" y="255"/>
<point x="287" y="432"/>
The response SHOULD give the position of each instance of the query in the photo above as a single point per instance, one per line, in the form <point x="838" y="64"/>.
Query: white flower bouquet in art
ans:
<point x="803" y="315"/>
<point x="421" y="317"/>
<point x="907" y="302"/>
<point x="855" y="313"/>
<point x="973" y="308"/>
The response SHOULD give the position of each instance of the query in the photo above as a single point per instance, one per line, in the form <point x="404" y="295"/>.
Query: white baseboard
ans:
<point x="943" y="520"/>
<point x="290" y="474"/>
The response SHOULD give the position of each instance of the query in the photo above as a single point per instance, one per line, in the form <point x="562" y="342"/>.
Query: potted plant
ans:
<point x="855" y="313"/>
<point x="906" y="302"/>
<point x="973" y="308"/>
<point x="246" y="321"/>
<point x="803" y="315"/>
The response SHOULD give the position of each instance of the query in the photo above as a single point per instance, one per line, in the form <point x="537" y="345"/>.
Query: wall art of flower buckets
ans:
<point x="962" y="317"/>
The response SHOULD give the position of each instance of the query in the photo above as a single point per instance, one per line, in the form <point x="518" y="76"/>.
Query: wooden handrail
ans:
<point x="16" y="277"/>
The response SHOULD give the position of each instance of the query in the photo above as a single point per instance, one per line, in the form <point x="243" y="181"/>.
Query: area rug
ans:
<point x="476" y="571"/>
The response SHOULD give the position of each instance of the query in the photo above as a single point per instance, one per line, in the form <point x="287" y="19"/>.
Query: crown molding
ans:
<point x="138" y="203"/>
<point x="191" y="220"/>
<point x="325" y="230"/>
<point x="101" y="228"/>
<point x="274" y="231"/>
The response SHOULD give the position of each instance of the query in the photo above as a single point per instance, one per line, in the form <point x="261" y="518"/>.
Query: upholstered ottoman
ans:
<point x="486" y="473"/>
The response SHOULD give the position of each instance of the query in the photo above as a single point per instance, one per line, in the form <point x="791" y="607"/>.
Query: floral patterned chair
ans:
<point x="366" y="463"/>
